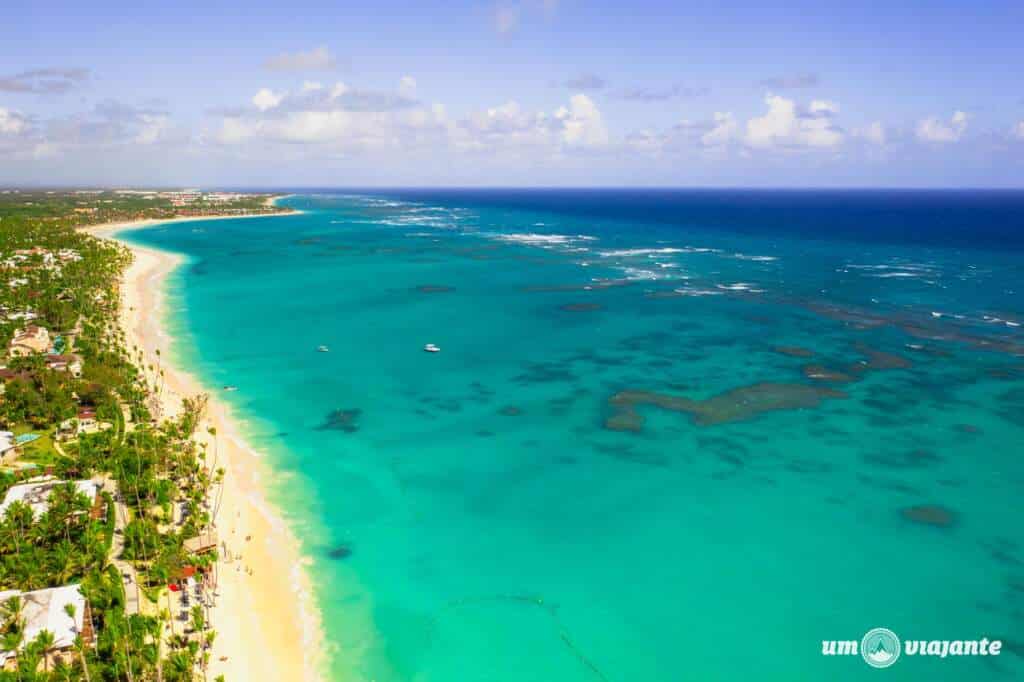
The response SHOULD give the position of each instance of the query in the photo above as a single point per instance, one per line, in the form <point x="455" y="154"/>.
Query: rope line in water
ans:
<point x="528" y="600"/>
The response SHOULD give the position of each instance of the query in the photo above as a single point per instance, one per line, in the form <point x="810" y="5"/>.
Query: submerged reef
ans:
<point x="341" y="420"/>
<point x="736" y="405"/>
<point x="794" y="351"/>
<point x="877" y="359"/>
<point x="580" y="307"/>
<point x="930" y="515"/>
<point x="822" y="373"/>
<point x="340" y="552"/>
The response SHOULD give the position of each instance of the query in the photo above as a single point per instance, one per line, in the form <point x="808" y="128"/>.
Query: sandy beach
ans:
<point x="267" y="625"/>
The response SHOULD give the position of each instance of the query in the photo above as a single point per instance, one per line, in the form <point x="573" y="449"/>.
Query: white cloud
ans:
<point x="152" y="128"/>
<point x="576" y="125"/>
<point x="407" y="86"/>
<point x="338" y="90"/>
<point x="317" y="59"/>
<point x="1018" y="130"/>
<point x="823" y="106"/>
<point x="934" y="130"/>
<point x="723" y="131"/>
<point x="873" y="132"/>
<point x="311" y="86"/>
<point x="266" y="99"/>
<point x="11" y="122"/>
<point x="786" y="125"/>
<point x="337" y="120"/>
<point x="583" y="123"/>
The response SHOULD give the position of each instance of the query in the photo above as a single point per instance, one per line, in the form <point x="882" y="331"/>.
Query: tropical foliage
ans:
<point x="57" y="277"/>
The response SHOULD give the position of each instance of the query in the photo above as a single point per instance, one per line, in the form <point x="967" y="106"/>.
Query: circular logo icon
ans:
<point x="880" y="648"/>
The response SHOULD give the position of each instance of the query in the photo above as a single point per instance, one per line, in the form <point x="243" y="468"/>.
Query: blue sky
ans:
<point x="516" y="92"/>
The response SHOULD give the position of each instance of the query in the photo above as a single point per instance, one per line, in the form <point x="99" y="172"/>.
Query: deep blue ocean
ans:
<point x="670" y="435"/>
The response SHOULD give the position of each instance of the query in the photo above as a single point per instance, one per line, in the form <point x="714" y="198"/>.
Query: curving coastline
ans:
<point x="268" y="626"/>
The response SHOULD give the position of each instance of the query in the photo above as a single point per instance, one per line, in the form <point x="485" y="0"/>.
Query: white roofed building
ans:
<point x="47" y="610"/>
<point x="36" y="494"/>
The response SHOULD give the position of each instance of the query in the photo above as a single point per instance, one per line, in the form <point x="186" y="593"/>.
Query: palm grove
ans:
<point x="149" y="470"/>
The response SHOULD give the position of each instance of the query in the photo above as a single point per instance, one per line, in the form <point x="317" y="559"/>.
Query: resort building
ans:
<point x="36" y="494"/>
<point x="25" y="315"/>
<point x="48" y="610"/>
<point x="85" y="421"/>
<point x="65" y="363"/>
<point x="204" y="542"/>
<point x="30" y="340"/>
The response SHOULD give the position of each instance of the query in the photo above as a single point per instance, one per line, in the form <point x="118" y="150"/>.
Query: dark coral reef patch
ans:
<point x="930" y="515"/>
<point x="738" y="404"/>
<point x="341" y="420"/>
<point x="794" y="351"/>
<point x="580" y="307"/>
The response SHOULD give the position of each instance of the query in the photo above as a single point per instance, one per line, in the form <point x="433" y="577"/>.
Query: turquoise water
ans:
<point x="472" y="516"/>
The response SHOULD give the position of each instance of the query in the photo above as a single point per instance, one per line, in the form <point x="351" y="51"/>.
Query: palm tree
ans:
<point x="80" y="648"/>
<point x="70" y="610"/>
<point x="12" y="641"/>
<point x="11" y="611"/>
<point x="179" y="666"/>
<point x="47" y="644"/>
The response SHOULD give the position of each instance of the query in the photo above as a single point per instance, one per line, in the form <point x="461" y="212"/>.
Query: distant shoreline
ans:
<point x="108" y="230"/>
<point x="268" y="626"/>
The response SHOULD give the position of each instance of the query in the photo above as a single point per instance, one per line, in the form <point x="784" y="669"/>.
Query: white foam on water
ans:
<point x="698" y="292"/>
<point x="621" y="253"/>
<point x="539" y="239"/>
<point x="998" y="320"/>
<point x="759" y="259"/>
<point x="740" y="286"/>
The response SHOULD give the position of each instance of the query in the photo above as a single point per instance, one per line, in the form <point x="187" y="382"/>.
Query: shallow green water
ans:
<point x="471" y="517"/>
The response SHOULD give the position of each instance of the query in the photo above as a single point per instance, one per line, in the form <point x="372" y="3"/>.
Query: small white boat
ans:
<point x="323" y="349"/>
<point x="231" y="388"/>
<point x="431" y="348"/>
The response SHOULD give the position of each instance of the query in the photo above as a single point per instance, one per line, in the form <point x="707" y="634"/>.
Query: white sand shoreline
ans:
<point x="268" y="626"/>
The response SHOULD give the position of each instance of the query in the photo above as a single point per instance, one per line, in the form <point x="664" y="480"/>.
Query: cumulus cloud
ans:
<point x="337" y="117"/>
<point x="1018" y="130"/>
<point x="12" y="122"/>
<point x="152" y="128"/>
<point x="790" y="82"/>
<point x="266" y="99"/>
<point x="109" y="125"/>
<point x="317" y="59"/>
<point x="724" y="130"/>
<point x="936" y="131"/>
<point x="577" y="125"/>
<point x="713" y="136"/>
<point x="582" y="122"/>
<point x="785" y="125"/>
<point x="342" y="120"/>
<point x="407" y="86"/>
<point x="43" y="81"/>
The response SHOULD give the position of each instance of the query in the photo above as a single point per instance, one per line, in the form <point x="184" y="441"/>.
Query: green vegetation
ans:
<point x="57" y="278"/>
